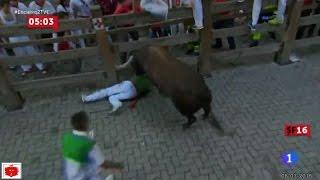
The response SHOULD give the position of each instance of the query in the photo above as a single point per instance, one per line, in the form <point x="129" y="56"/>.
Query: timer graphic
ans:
<point x="43" y="22"/>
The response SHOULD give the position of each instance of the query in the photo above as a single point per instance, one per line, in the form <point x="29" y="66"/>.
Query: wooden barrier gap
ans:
<point x="50" y="56"/>
<point x="48" y="40"/>
<point x="290" y="35"/>
<point x="74" y="79"/>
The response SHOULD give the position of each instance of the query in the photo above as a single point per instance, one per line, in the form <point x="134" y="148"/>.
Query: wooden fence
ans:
<point x="9" y="91"/>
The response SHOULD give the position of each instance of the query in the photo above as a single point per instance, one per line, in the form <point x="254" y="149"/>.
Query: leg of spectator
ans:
<point x="256" y="12"/>
<point x="30" y="50"/>
<point x="281" y="10"/>
<point x="197" y="13"/>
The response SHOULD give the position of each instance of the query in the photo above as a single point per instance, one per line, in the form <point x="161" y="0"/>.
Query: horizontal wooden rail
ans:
<point x="50" y="56"/>
<point x="307" y="42"/>
<point x="246" y="52"/>
<point x="243" y="30"/>
<point x="314" y="19"/>
<point x="148" y="25"/>
<point x="164" y="41"/>
<point x="143" y="18"/>
<point x="58" y="81"/>
<point x="47" y="40"/>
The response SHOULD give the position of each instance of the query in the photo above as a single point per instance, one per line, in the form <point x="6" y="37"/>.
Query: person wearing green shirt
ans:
<point x="82" y="158"/>
<point x="129" y="89"/>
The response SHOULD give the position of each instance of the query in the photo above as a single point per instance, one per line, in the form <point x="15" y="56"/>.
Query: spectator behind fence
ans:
<point x="63" y="13"/>
<point x="80" y="9"/>
<point x="197" y="13"/>
<point x="82" y="157"/>
<point x="47" y="6"/>
<point x="226" y="23"/>
<point x="157" y="8"/>
<point x="108" y="6"/>
<point x="277" y="20"/>
<point x="126" y="6"/>
<point x="7" y="18"/>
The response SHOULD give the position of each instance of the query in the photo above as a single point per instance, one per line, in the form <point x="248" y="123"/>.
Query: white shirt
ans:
<point x="80" y="8"/>
<point x="8" y="19"/>
<point x="60" y="9"/>
<point x="22" y="6"/>
<point x="76" y="171"/>
<point x="47" y="6"/>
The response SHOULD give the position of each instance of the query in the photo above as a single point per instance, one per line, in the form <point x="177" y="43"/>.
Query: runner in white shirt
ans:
<point x="8" y="17"/>
<point x="42" y="5"/>
<point x="80" y="9"/>
<point x="19" y="5"/>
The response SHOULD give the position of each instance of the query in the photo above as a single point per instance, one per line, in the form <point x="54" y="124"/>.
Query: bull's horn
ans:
<point x="122" y="66"/>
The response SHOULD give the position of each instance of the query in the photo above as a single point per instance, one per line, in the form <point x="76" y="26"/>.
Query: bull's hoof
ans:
<point x="186" y="126"/>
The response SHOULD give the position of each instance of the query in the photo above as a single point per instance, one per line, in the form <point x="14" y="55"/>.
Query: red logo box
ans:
<point x="11" y="170"/>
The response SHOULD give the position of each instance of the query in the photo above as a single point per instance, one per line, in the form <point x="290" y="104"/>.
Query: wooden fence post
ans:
<point x="107" y="51"/>
<point x="290" y="34"/>
<point x="204" y="61"/>
<point x="10" y="99"/>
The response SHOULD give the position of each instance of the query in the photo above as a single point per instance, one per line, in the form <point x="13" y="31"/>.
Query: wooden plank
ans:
<point x="247" y="52"/>
<point x="109" y="55"/>
<point x="9" y="98"/>
<point x="50" y="56"/>
<point x="47" y="40"/>
<point x="142" y="18"/>
<point x="59" y="81"/>
<point x="316" y="30"/>
<point x="163" y="41"/>
<point x="67" y="24"/>
<point x="290" y="35"/>
<point x="148" y="25"/>
<point x="204" y="63"/>
<point x="243" y="30"/>
<point x="306" y="42"/>
<point x="314" y="19"/>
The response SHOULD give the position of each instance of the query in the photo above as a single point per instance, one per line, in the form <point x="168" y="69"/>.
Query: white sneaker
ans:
<point x="197" y="27"/>
<point x="110" y="177"/>
<point x="294" y="58"/>
<point x="83" y="98"/>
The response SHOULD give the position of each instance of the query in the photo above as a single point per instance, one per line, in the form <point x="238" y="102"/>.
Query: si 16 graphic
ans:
<point x="297" y="130"/>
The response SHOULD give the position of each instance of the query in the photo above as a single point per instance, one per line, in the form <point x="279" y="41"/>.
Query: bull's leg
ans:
<point x="191" y="120"/>
<point x="207" y="111"/>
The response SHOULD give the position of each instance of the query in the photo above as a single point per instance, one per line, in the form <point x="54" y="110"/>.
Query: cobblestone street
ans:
<point x="253" y="101"/>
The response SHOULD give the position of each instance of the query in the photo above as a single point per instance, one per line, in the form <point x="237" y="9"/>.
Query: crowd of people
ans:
<point x="73" y="9"/>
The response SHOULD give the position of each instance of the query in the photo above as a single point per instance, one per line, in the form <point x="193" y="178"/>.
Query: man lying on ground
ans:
<point x="126" y="90"/>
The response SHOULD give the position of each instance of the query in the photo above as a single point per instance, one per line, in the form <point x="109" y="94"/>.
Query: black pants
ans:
<point x="228" y="23"/>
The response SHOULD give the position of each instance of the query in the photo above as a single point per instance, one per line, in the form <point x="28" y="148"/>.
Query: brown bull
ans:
<point x="185" y="87"/>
